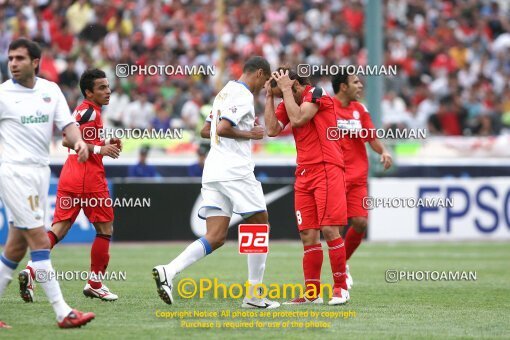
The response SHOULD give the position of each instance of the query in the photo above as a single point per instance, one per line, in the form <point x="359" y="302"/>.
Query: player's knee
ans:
<point x="331" y="233"/>
<point x="309" y="237"/>
<point x="359" y="224"/>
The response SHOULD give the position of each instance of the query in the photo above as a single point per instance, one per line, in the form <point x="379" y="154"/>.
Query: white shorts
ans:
<point x="24" y="191"/>
<point x="241" y="196"/>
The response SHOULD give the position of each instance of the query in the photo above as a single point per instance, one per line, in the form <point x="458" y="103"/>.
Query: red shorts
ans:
<point x="355" y="192"/>
<point x="68" y="206"/>
<point x="319" y="194"/>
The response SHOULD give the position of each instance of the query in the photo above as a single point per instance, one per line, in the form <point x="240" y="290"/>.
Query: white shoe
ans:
<point x="348" y="277"/>
<point x="304" y="300"/>
<point x="340" y="297"/>
<point x="102" y="293"/>
<point x="163" y="283"/>
<point x="259" y="303"/>
<point x="26" y="285"/>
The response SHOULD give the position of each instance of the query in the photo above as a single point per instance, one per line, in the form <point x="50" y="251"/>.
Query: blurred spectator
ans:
<point x="69" y="77"/>
<point x="447" y="120"/>
<point x="394" y="112"/>
<point x="191" y="110"/>
<point x="78" y="15"/>
<point x="449" y="46"/>
<point x="196" y="169"/>
<point x="142" y="169"/>
<point x="138" y="113"/>
<point x="162" y="120"/>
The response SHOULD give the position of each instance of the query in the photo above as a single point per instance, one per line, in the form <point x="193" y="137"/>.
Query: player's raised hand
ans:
<point x="110" y="150"/>
<point x="386" y="160"/>
<point x="257" y="132"/>
<point x="116" y="141"/>
<point x="81" y="149"/>
<point x="282" y="79"/>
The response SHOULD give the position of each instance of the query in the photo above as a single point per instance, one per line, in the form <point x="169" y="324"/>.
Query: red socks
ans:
<point x="312" y="265"/>
<point x="53" y="238"/>
<point x="337" y="260"/>
<point x="352" y="241"/>
<point x="99" y="258"/>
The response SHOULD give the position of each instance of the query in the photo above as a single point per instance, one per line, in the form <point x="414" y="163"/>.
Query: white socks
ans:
<point x="7" y="267"/>
<point x="49" y="283"/>
<point x="194" y="252"/>
<point x="256" y="267"/>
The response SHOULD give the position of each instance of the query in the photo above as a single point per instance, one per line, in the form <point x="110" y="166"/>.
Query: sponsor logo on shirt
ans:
<point x="39" y="118"/>
<point x="46" y="97"/>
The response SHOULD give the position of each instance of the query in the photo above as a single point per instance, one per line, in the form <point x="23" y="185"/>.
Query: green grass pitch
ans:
<point x="408" y="309"/>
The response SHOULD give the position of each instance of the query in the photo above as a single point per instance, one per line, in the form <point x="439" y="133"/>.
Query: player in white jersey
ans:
<point x="228" y="182"/>
<point x="28" y="108"/>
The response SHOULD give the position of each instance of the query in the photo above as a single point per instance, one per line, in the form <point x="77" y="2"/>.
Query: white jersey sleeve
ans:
<point x="237" y="109"/>
<point x="63" y="116"/>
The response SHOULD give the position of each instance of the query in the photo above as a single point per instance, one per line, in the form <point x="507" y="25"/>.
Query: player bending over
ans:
<point x="354" y="115"/>
<point x="319" y="188"/>
<point x="228" y="182"/>
<point x="86" y="181"/>
<point x="28" y="108"/>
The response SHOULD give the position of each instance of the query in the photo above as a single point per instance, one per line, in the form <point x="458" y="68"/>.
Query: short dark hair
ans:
<point x="34" y="51"/>
<point x="256" y="63"/>
<point x="87" y="79"/>
<point x="292" y="75"/>
<point x="342" y="77"/>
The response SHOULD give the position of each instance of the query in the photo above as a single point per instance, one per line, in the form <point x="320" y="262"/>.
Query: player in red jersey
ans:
<point x="84" y="184"/>
<point x="354" y="116"/>
<point x="319" y="188"/>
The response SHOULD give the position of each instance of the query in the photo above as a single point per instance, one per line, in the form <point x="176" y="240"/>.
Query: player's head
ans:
<point x="95" y="87"/>
<point x="347" y="86"/>
<point x="256" y="72"/>
<point x="24" y="56"/>
<point x="297" y="88"/>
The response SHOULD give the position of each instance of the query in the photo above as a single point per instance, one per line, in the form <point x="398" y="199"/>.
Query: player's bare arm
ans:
<point x="299" y="115"/>
<point x="273" y="127"/>
<point x="206" y="130"/>
<point x="225" y="129"/>
<point x="73" y="136"/>
<point x="111" y="150"/>
<point x="379" y="147"/>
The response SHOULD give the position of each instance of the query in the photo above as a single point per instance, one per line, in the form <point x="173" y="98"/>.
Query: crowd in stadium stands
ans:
<point x="453" y="56"/>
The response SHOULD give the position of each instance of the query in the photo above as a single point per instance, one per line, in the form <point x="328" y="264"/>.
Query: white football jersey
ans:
<point x="26" y="120"/>
<point x="230" y="159"/>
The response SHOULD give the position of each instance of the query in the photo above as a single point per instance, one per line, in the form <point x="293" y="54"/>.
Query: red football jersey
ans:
<point x="355" y="115"/>
<point x="90" y="176"/>
<point x="312" y="143"/>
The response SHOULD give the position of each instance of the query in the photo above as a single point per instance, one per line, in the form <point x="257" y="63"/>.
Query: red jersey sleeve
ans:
<point x="281" y="115"/>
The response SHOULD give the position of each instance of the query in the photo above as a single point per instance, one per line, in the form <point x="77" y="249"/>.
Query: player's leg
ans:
<point x="247" y="198"/>
<point x="358" y="221"/>
<point x="14" y="250"/>
<point x="256" y="269"/>
<point x="101" y="217"/>
<point x="216" y="210"/>
<point x="99" y="259"/>
<point x="65" y="214"/>
<point x="306" y="217"/>
<point x="332" y="212"/>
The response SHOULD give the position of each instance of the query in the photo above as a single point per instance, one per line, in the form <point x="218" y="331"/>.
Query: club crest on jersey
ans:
<point x="46" y="97"/>
<point x="355" y="114"/>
